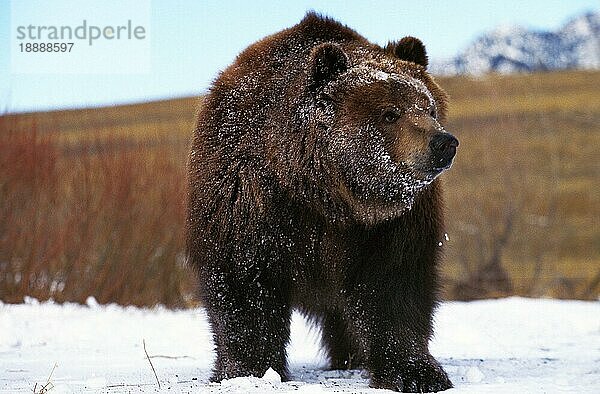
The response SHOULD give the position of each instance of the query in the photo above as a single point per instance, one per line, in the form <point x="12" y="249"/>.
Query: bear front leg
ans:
<point x="402" y="364"/>
<point x="395" y="340"/>
<point x="250" y="320"/>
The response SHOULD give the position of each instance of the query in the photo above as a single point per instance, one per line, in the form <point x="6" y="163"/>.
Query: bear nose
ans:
<point x="443" y="142"/>
<point x="443" y="146"/>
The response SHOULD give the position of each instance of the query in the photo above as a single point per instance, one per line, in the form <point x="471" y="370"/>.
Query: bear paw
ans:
<point x="424" y="376"/>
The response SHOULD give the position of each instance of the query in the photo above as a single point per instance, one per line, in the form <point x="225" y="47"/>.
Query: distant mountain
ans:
<point x="513" y="49"/>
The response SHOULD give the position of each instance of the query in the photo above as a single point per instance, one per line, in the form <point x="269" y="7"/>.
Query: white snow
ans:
<point x="495" y="346"/>
<point x="272" y="376"/>
<point x="474" y="375"/>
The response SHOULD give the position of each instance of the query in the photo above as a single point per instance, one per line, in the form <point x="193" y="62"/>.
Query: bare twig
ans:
<point x="48" y="386"/>
<point x="152" y="366"/>
<point x="171" y="357"/>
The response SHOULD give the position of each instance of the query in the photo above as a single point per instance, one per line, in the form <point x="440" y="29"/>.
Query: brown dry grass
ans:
<point x="528" y="165"/>
<point x="91" y="201"/>
<point x="100" y="216"/>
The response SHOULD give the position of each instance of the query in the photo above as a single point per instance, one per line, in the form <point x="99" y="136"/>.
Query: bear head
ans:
<point x="382" y="115"/>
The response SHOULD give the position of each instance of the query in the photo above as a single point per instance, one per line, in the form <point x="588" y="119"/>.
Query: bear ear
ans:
<point x="327" y="61"/>
<point x="410" y="49"/>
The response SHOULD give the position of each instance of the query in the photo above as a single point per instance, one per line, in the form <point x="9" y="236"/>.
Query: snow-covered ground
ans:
<point x="510" y="345"/>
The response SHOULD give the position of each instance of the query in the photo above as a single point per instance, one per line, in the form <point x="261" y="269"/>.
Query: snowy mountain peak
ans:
<point x="587" y="24"/>
<point x="509" y="49"/>
<point x="507" y="30"/>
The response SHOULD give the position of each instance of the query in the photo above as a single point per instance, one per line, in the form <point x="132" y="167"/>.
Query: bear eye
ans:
<point x="433" y="112"/>
<point x="391" y="116"/>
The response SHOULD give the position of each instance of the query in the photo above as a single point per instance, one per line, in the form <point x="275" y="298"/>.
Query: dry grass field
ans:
<point x="523" y="200"/>
<point x="92" y="201"/>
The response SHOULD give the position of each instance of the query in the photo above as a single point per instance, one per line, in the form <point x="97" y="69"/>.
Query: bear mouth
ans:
<point x="432" y="166"/>
<point x="439" y="170"/>
<point x="430" y="173"/>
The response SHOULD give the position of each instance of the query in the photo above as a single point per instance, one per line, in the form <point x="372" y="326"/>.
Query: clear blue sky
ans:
<point x="192" y="40"/>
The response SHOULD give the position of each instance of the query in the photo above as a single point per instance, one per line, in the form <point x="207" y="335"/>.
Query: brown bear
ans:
<point x="313" y="185"/>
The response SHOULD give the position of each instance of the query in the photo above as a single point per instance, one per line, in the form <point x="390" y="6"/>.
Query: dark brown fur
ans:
<point x="312" y="184"/>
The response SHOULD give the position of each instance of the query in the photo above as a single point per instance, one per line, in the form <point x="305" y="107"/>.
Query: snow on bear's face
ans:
<point x="385" y="138"/>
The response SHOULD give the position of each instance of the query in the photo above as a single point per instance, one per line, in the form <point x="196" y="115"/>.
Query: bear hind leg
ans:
<point x="340" y="344"/>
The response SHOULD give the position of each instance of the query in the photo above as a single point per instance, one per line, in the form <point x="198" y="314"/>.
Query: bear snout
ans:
<point x="443" y="149"/>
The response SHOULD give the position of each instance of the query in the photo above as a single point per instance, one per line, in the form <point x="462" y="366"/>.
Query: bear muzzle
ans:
<point x="443" y="149"/>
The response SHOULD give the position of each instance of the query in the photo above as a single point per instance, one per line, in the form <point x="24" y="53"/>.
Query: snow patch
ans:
<point x="474" y="375"/>
<point x="271" y="376"/>
<point x="493" y="346"/>
<point x="96" y="382"/>
<point x="91" y="302"/>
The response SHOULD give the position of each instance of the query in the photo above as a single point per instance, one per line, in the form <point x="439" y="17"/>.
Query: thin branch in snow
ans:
<point x="172" y="357"/>
<point x="152" y="366"/>
<point x="48" y="386"/>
